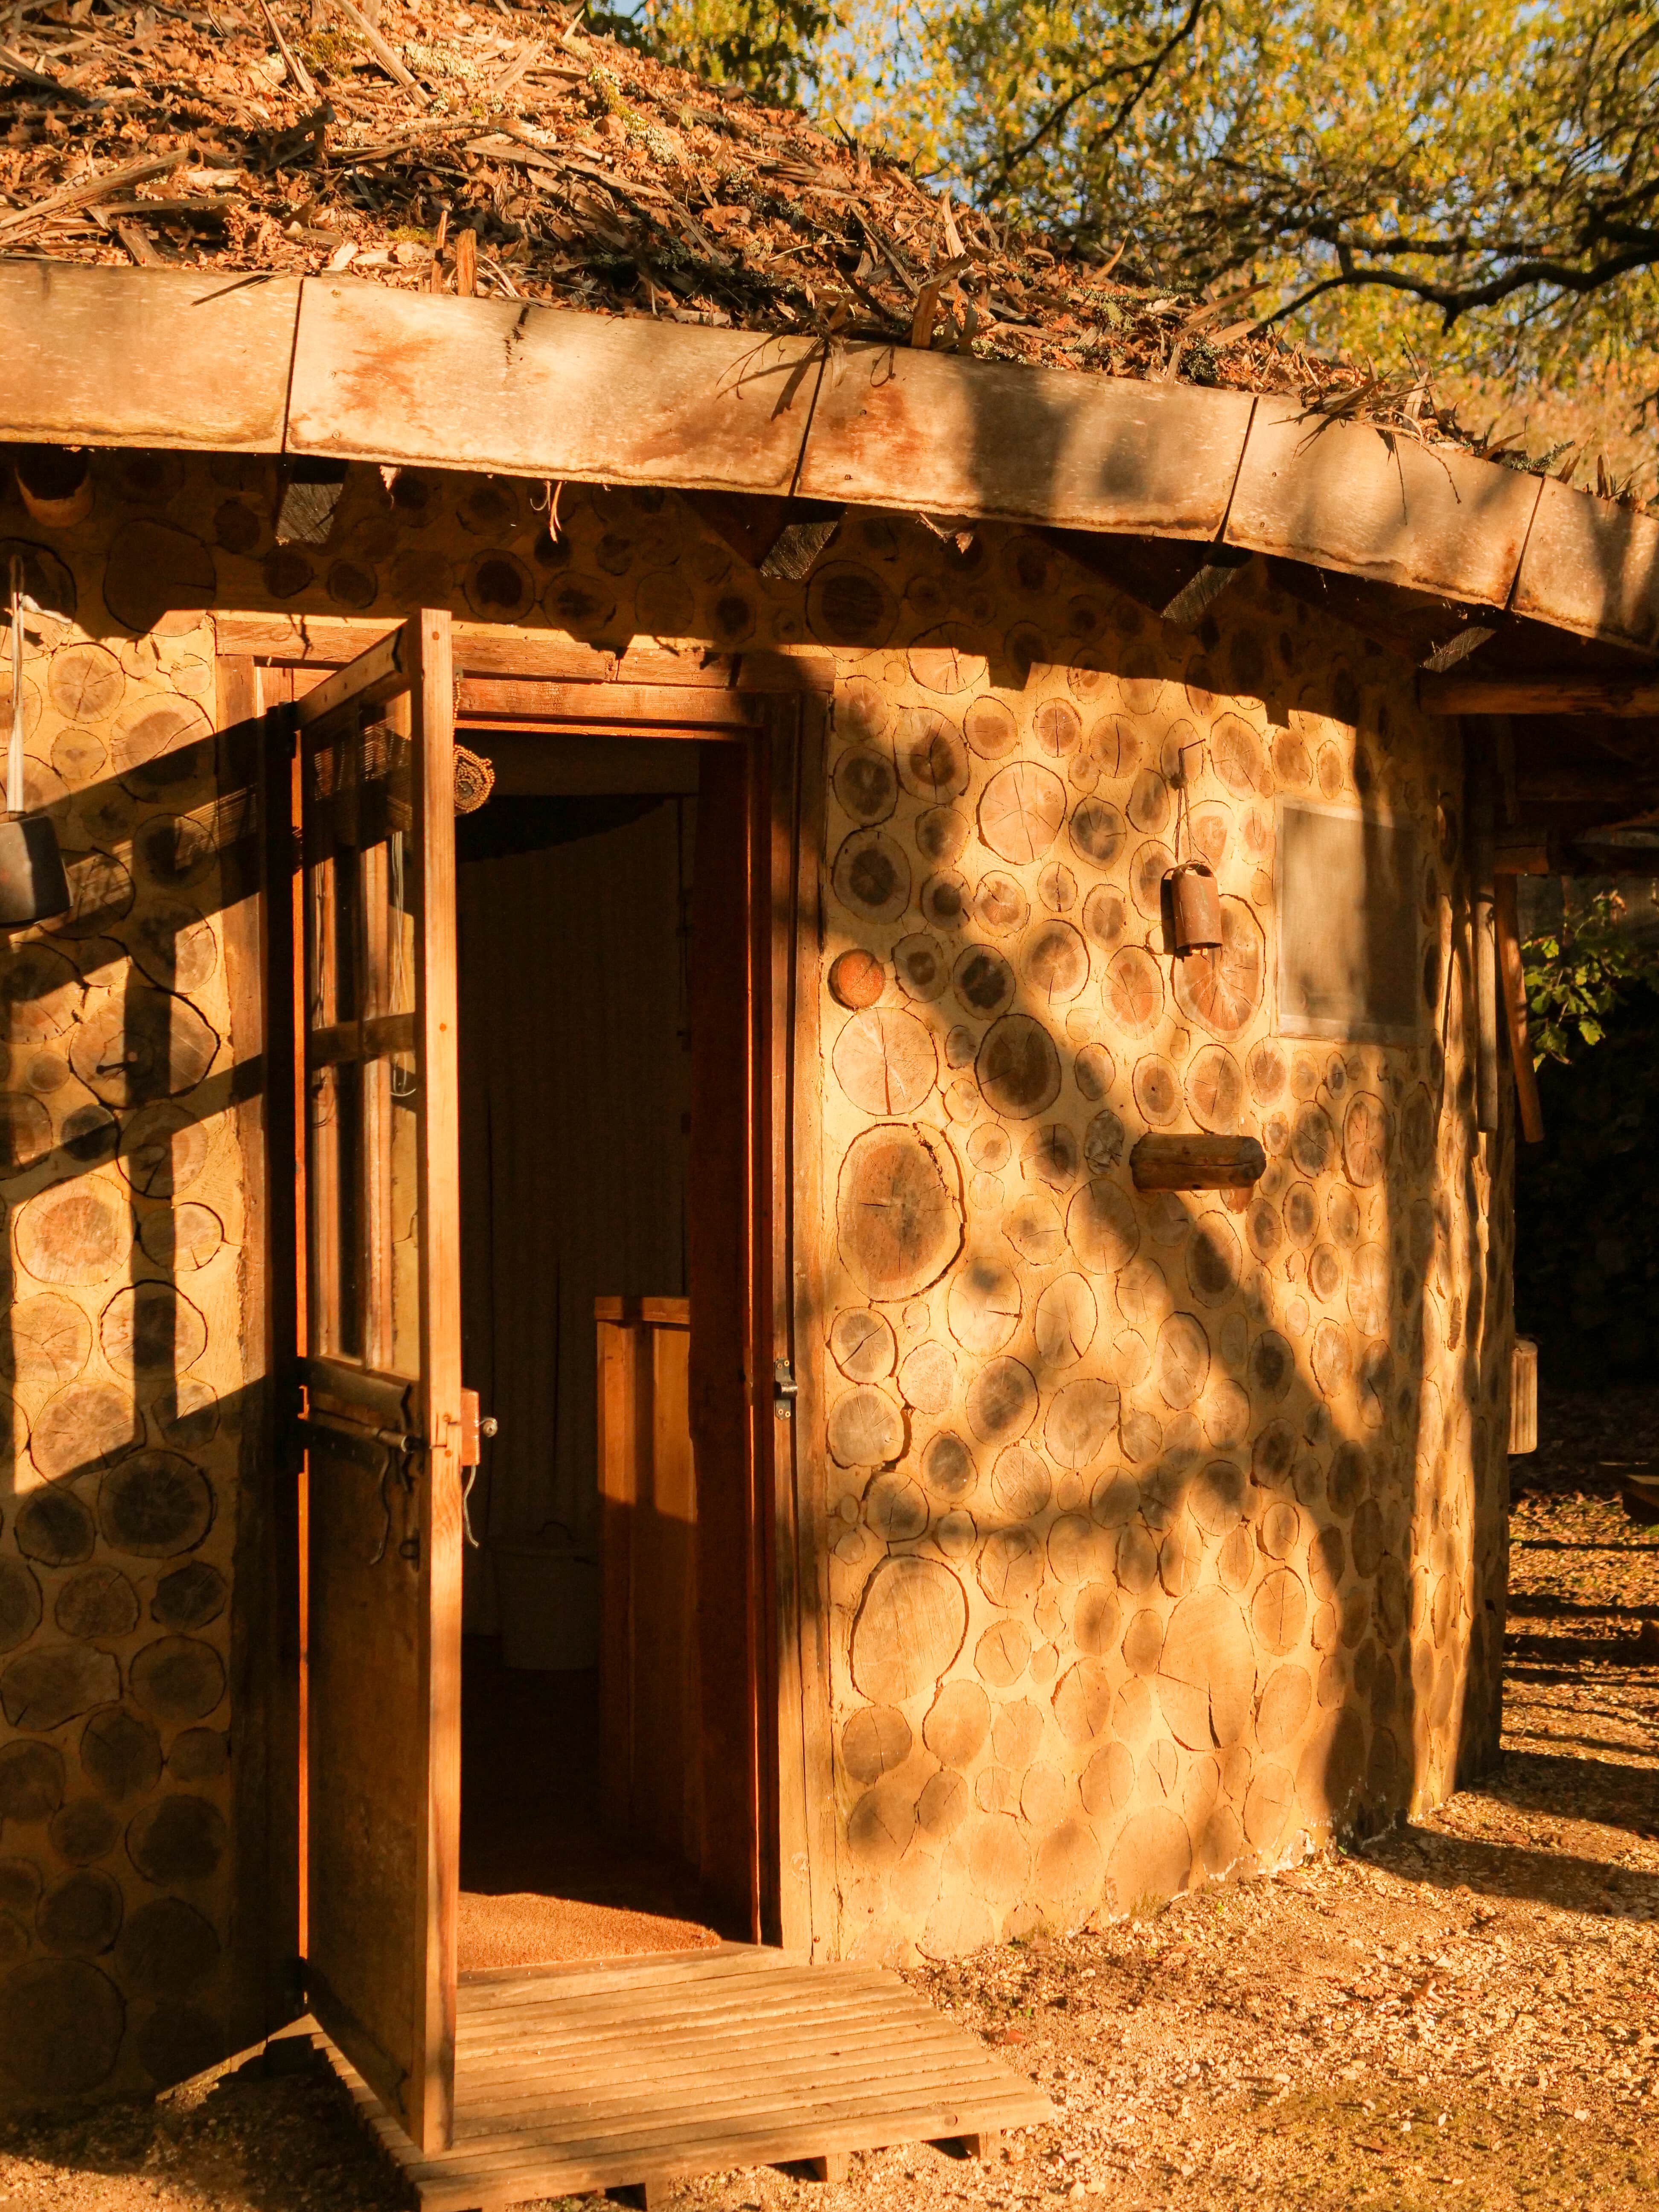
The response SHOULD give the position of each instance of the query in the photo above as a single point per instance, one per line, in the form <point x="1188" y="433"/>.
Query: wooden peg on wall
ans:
<point x="1197" y="1163"/>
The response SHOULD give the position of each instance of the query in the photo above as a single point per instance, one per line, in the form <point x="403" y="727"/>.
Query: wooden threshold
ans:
<point x="643" y="2072"/>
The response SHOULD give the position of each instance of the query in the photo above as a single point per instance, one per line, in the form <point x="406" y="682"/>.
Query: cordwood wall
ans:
<point x="1154" y="1538"/>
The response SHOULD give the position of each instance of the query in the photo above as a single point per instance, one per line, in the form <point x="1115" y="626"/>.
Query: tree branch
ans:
<point x="1147" y="69"/>
<point x="1456" y="300"/>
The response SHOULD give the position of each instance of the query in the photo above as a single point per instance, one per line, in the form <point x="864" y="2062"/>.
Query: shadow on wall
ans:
<point x="120" y="1496"/>
<point x="1162" y="1539"/>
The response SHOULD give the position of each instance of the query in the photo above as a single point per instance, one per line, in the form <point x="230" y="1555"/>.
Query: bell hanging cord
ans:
<point x="1183" y="802"/>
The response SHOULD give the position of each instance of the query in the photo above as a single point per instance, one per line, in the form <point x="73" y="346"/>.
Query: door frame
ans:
<point x="776" y="704"/>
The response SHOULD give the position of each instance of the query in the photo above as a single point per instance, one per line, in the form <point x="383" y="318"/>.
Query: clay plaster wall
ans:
<point x="126" y="1351"/>
<point x="1167" y="1538"/>
<point x="1155" y="1537"/>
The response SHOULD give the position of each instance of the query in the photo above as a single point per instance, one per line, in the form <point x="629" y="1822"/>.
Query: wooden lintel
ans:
<point x="1538" y="695"/>
<point x="497" y="649"/>
<point x="507" y="700"/>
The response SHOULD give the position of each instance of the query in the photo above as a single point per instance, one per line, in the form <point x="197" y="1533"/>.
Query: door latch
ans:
<point x="476" y="1428"/>
<point x="784" y="1390"/>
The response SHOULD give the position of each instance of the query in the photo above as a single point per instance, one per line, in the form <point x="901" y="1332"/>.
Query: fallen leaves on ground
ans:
<point x="1466" y="2012"/>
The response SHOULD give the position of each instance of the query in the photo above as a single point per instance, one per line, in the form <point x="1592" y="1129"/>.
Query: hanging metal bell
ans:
<point x="1195" y="906"/>
<point x="33" y="884"/>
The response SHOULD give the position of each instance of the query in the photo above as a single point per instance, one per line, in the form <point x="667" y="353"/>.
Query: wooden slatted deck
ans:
<point x="646" y="2071"/>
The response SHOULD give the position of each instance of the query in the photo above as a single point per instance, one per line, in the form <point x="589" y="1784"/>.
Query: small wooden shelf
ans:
<point x="1197" y="1163"/>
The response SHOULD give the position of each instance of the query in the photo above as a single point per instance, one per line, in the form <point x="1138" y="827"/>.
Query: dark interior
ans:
<point x="573" y="917"/>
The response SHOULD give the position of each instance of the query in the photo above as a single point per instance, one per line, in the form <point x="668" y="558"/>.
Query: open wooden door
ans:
<point x="382" y="1368"/>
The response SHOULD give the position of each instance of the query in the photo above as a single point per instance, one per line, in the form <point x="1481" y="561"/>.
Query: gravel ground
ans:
<point x="1468" y="2013"/>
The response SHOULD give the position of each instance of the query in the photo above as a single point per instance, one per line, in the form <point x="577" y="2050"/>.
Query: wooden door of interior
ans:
<point x="382" y="1366"/>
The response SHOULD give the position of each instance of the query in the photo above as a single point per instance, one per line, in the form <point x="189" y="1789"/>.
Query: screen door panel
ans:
<point x="383" y="1365"/>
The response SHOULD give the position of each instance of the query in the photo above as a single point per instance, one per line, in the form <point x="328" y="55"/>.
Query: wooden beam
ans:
<point x="1513" y="982"/>
<point x="200" y="359"/>
<point x="906" y="429"/>
<point x="370" y="680"/>
<point x="1589" y="567"/>
<point x="1523" y="1397"/>
<point x="1541" y="695"/>
<point x="1409" y="624"/>
<point x="509" y="700"/>
<point x="1339" y="496"/>
<point x="494" y="650"/>
<point x="178" y="357"/>
<point x="389" y="376"/>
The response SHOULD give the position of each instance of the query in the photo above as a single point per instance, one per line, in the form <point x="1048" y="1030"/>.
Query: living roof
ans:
<point x="588" y="175"/>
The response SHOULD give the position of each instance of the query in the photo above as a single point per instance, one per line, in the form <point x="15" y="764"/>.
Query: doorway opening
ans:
<point x="585" y="982"/>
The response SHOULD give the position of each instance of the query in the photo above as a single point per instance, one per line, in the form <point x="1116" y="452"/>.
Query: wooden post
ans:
<point x="1523" y="1396"/>
<point x="833" y="2165"/>
<point x="728" y="1401"/>
<point x="1507" y="923"/>
<point x="266" y="1650"/>
<point x="1482" y="812"/>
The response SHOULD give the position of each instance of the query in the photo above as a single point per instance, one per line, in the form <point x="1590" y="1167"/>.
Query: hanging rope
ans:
<point x="1183" y="801"/>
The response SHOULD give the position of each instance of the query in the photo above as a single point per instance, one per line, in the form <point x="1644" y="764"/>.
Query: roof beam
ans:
<point x="1541" y="695"/>
<point x="345" y="371"/>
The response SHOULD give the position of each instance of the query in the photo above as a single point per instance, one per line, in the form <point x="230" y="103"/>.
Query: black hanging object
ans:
<point x="33" y="884"/>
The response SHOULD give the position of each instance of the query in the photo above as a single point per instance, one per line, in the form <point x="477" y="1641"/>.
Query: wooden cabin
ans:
<point x="900" y="969"/>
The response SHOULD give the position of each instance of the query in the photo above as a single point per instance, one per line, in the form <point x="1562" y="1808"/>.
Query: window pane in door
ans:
<point x="362" y="898"/>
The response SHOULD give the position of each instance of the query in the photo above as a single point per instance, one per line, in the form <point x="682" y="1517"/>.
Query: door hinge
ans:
<point x="784" y="1390"/>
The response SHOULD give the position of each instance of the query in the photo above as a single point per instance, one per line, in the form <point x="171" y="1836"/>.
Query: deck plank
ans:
<point x="595" y="2077"/>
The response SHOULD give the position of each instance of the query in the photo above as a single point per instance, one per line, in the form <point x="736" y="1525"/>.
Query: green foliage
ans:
<point x="1575" y="980"/>
<point x="1383" y="176"/>
<point x="768" y="46"/>
<point x="1587" y="1205"/>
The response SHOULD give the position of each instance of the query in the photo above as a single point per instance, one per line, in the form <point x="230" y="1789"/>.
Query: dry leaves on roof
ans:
<point x="498" y="150"/>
